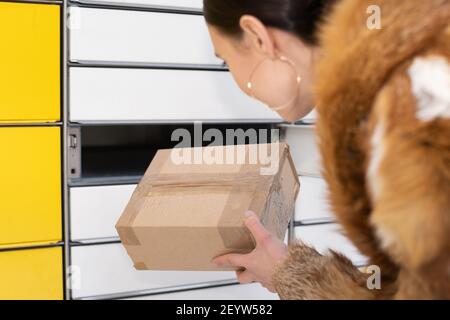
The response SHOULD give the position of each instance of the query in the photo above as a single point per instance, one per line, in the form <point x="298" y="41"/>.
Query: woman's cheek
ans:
<point x="240" y="77"/>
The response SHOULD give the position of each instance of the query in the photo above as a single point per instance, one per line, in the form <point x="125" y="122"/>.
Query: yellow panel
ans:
<point x="29" y="62"/>
<point x="31" y="274"/>
<point x="30" y="185"/>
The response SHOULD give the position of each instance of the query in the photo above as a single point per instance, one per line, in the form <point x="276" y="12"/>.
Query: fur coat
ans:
<point x="383" y="99"/>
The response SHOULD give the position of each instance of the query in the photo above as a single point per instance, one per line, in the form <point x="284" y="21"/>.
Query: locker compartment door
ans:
<point x="253" y="291"/>
<point x="312" y="203"/>
<point x="150" y="37"/>
<point x="99" y="94"/>
<point x="170" y="4"/>
<point x="94" y="211"/>
<point x="107" y="269"/>
<point x="304" y="149"/>
<point x="31" y="274"/>
<point x="30" y="185"/>
<point x="29" y="62"/>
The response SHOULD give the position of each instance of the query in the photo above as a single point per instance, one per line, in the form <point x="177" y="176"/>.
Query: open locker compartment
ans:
<point x="104" y="154"/>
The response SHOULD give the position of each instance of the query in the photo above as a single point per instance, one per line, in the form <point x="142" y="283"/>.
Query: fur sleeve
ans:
<point x="305" y="274"/>
<point x="408" y="175"/>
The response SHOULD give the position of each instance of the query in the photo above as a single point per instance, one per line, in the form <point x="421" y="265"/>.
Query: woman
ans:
<point x="382" y="91"/>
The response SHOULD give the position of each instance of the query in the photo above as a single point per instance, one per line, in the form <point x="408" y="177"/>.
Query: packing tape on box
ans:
<point x="256" y="186"/>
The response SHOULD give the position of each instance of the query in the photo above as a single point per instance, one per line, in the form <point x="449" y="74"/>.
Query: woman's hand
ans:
<point x="261" y="262"/>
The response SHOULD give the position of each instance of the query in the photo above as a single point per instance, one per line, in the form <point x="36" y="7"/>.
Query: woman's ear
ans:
<point x="257" y="36"/>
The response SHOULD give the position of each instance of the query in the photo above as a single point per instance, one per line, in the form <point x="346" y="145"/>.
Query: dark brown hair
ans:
<point x="300" y="17"/>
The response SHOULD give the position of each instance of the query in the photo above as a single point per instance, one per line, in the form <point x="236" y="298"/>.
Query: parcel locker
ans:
<point x="135" y="69"/>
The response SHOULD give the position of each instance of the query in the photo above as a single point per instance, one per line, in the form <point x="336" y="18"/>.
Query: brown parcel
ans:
<point x="181" y="216"/>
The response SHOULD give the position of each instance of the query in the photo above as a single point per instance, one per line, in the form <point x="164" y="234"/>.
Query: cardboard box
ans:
<point x="189" y="207"/>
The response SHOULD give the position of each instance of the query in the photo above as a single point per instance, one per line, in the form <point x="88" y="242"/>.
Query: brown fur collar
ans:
<point x="356" y="63"/>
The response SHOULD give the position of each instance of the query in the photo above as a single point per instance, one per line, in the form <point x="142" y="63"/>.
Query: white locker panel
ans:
<point x="189" y="4"/>
<point x="252" y="291"/>
<point x="107" y="269"/>
<point x="312" y="204"/>
<point x="304" y="149"/>
<point x="94" y="211"/>
<point x="136" y="36"/>
<point x="327" y="236"/>
<point x="160" y="95"/>
<point x="310" y="118"/>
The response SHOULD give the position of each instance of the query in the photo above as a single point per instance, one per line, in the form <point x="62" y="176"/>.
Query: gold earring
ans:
<point x="298" y="81"/>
